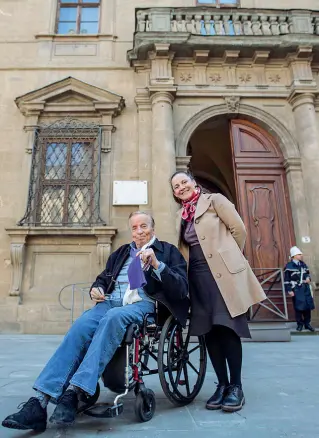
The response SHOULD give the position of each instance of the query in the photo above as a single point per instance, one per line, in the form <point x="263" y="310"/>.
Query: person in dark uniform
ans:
<point x="222" y="285"/>
<point x="297" y="285"/>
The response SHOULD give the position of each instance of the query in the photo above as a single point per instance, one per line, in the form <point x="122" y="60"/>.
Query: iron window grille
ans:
<point x="78" y="17"/>
<point x="218" y="3"/>
<point x="64" y="188"/>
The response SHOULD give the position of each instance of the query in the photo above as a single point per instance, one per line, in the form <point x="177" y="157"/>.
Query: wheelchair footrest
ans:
<point x="104" y="410"/>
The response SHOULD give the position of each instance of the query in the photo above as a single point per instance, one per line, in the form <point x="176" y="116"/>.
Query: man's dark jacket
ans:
<point x="171" y="290"/>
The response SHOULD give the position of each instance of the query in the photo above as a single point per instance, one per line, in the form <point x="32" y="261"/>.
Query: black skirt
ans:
<point x="208" y="307"/>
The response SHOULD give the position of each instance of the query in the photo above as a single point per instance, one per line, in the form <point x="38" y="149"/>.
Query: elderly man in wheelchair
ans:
<point x="156" y="275"/>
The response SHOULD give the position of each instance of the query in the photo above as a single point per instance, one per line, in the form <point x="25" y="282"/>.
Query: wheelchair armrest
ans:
<point x="132" y="331"/>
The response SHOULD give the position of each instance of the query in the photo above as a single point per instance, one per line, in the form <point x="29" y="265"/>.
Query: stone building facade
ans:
<point x="101" y="100"/>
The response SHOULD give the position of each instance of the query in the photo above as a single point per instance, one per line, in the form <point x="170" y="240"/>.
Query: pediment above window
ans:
<point x="70" y="96"/>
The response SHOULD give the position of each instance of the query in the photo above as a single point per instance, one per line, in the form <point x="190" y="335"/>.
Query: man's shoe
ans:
<point x="31" y="416"/>
<point x="215" y="402"/>
<point x="299" y="327"/>
<point x="234" y="399"/>
<point x="309" y="327"/>
<point x="65" y="412"/>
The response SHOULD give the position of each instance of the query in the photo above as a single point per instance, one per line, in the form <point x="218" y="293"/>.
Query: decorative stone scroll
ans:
<point x="103" y="253"/>
<point x="17" y="258"/>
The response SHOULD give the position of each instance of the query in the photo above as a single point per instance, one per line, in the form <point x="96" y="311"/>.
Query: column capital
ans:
<point x="182" y="163"/>
<point x="162" y="96"/>
<point x="297" y="99"/>
<point x="142" y="99"/>
<point x="292" y="164"/>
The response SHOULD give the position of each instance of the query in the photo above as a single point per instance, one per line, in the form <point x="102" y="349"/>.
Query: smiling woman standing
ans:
<point x="222" y="285"/>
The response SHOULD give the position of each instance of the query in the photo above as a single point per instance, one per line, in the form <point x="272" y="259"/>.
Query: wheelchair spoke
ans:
<point x="194" y="349"/>
<point x="180" y="383"/>
<point x="186" y="379"/>
<point x="179" y="372"/>
<point x="193" y="368"/>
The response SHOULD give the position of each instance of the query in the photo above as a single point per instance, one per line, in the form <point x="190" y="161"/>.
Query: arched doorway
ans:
<point x="241" y="160"/>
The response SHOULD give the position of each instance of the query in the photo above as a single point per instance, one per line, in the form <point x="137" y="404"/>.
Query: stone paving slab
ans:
<point x="281" y="384"/>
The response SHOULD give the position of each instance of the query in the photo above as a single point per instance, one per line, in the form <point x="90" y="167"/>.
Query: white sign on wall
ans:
<point x="130" y="193"/>
<point x="305" y="239"/>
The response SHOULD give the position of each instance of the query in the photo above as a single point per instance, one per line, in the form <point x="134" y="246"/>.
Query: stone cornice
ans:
<point x="75" y="38"/>
<point x="51" y="99"/>
<point x="21" y="233"/>
<point x="184" y="42"/>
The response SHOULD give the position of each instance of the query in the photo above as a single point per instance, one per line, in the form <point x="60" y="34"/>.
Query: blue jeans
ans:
<point x="88" y="347"/>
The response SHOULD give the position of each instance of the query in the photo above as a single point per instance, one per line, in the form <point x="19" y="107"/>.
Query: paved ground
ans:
<point x="281" y="383"/>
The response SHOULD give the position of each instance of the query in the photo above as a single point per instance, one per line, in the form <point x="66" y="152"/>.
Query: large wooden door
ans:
<point x="264" y="205"/>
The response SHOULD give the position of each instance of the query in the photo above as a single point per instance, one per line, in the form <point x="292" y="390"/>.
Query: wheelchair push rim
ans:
<point x="181" y="369"/>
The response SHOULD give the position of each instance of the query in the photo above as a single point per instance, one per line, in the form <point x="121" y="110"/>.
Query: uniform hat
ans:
<point x="294" y="251"/>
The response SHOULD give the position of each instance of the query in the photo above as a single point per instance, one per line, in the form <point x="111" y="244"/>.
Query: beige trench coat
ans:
<point x="222" y="234"/>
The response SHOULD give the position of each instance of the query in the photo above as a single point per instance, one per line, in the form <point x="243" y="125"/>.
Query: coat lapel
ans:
<point x="202" y="205"/>
<point x="179" y="224"/>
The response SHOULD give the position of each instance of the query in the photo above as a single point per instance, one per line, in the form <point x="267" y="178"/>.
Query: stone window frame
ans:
<point x="46" y="177"/>
<point x="88" y="103"/>
<point x="218" y="3"/>
<point x="79" y="5"/>
<point x="106" y="25"/>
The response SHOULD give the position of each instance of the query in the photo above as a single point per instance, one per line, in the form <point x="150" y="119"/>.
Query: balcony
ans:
<point x="186" y="29"/>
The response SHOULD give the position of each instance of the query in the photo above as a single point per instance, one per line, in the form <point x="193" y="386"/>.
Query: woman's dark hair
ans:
<point x="179" y="172"/>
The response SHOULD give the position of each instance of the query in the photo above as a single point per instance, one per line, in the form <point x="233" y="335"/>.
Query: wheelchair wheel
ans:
<point x="88" y="401"/>
<point x="181" y="364"/>
<point x="145" y="405"/>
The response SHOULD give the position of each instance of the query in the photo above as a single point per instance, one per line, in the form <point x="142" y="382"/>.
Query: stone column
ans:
<point x="163" y="165"/>
<point x="144" y="111"/>
<point x="308" y="138"/>
<point x="299" y="207"/>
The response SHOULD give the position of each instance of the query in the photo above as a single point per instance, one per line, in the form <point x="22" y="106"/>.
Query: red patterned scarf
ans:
<point x="189" y="206"/>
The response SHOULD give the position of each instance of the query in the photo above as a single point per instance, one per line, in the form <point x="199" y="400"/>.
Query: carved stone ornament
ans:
<point x="232" y="103"/>
<point x="245" y="78"/>
<point x="275" y="78"/>
<point x="186" y="77"/>
<point x="17" y="251"/>
<point x="103" y="253"/>
<point x="215" y="78"/>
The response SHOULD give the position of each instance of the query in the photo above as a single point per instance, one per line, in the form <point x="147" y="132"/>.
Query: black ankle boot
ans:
<point x="65" y="412"/>
<point x="309" y="327"/>
<point x="31" y="416"/>
<point x="299" y="327"/>
<point x="234" y="399"/>
<point x="215" y="402"/>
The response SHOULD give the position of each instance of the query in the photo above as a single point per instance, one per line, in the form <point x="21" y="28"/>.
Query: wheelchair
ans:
<point x="160" y="339"/>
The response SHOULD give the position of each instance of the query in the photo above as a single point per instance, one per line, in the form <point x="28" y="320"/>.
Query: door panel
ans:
<point x="264" y="205"/>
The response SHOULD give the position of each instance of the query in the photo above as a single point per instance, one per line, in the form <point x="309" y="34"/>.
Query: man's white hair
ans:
<point x="135" y="213"/>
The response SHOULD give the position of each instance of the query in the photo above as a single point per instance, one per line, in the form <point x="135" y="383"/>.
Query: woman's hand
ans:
<point x="148" y="257"/>
<point x="291" y="293"/>
<point x="97" y="295"/>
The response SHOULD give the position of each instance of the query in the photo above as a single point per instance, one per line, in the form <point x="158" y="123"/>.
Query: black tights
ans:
<point x="224" y="346"/>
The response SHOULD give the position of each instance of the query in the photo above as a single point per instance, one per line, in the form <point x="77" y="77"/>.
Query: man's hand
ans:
<point x="291" y="293"/>
<point x="308" y="281"/>
<point x="97" y="295"/>
<point x="148" y="258"/>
